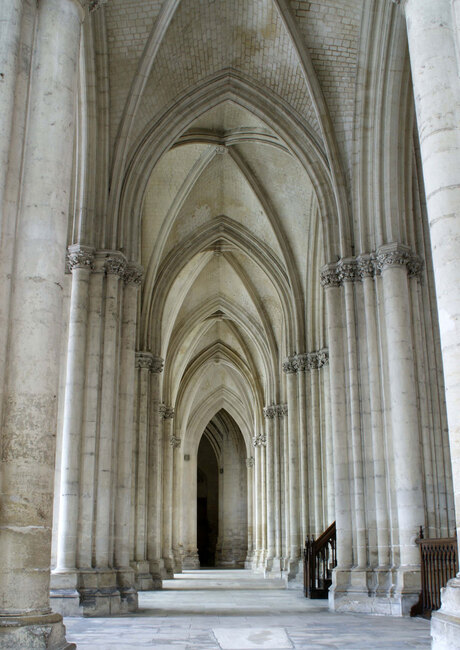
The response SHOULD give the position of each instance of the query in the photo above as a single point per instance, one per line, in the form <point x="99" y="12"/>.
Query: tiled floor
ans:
<point x="235" y="610"/>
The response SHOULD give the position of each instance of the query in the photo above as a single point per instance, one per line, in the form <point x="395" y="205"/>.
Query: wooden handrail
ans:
<point x="320" y="558"/>
<point x="438" y="564"/>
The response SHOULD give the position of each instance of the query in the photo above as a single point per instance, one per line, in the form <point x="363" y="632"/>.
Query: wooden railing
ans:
<point x="320" y="558"/>
<point x="438" y="563"/>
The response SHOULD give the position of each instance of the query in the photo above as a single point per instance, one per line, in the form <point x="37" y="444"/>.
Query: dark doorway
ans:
<point x="207" y="503"/>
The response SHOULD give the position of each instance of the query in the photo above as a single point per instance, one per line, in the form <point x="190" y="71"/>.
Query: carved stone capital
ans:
<point x="259" y="440"/>
<point x="134" y="274"/>
<point x="365" y="267"/>
<point x="157" y="364"/>
<point x="302" y="362"/>
<point x="270" y="412"/>
<point x="347" y="270"/>
<point x="393" y="255"/>
<point x="80" y="257"/>
<point x="250" y="462"/>
<point x="415" y="266"/>
<point x="149" y="361"/>
<point x="318" y="359"/>
<point x="322" y="357"/>
<point x="175" y="442"/>
<point x="290" y="364"/>
<point x="144" y="360"/>
<point x="329" y="276"/>
<point x="281" y="410"/>
<point x="369" y="265"/>
<point x="167" y="412"/>
<point x="220" y="149"/>
<point x="94" y="5"/>
<point x="115" y="264"/>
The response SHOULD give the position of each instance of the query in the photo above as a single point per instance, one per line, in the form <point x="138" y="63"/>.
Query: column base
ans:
<point x="190" y="560"/>
<point x="168" y="567"/>
<point x="445" y="623"/>
<point x="143" y="580"/>
<point x="86" y="592"/>
<point x="273" y="568"/>
<point x="248" y="563"/>
<point x="177" y="555"/>
<point x="41" y="632"/>
<point x="129" y="601"/>
<point x="382" y="591"/>
<point x="294" y="574"/>
<point x="155" y="573"/>
<point x="257" y="560"/>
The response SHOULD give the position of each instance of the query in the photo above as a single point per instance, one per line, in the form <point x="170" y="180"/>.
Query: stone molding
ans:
<point x="275" y="410"/>
<point x="175" y="442"/>
<point x="149" y="361"/>
<point x="79" y="257"/>
<point x="259" y="440"/>
<point x="166" y="412"/>
<point x="306" y="361"/>
<point x="371" y="265"/>
<point x="250" y="462"/>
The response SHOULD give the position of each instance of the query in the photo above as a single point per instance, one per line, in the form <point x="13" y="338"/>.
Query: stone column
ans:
<point x="315" y="451"/>
<point x="433" y="35"/>
<point x="366" y="273"/>
<point x="65" y="580"/>
<point x="392" y="260"/>
<point x="250" y="479"/>
<point x="292" y="450"/>
<point x="270" y="414"/>
<point x="329" y="448"/>
<point x="154" y="476"/>
<point x="280" y="411"/>
<point x="263" y="488"/>
<point x="107" y="598"/>
<point x="169" y="444"/>
<point x="178" y="502"/>
<point x="257" y="442"/>
<point x="348" y="272"/>
<point x="284" y="490"/>
<point x="145" y="363"/>
<point x="335" y="329"/>
<point x="32" y="363"/>
<point x="125" y="574"/>
<point x="303" y="448"/>
<point x="90" y="418"/>
<point x="185" y="509"/>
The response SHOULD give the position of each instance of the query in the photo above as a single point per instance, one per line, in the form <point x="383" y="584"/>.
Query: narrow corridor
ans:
<point x="238" y="610"/>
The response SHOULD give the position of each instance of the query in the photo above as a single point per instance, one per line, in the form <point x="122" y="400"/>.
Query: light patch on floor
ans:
<point x="249" y="638"/>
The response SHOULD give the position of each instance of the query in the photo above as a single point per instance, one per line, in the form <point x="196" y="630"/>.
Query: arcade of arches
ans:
<point x="256" y="328"/>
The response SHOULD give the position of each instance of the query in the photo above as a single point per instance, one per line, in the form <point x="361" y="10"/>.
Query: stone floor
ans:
<point x="236" y="610"/>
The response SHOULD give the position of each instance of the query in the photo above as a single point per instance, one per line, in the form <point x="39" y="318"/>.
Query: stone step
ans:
<point x="207" y="579"/>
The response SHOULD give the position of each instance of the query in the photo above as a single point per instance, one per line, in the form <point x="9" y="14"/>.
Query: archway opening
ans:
<point x="207" y="503"/>
<point x="222" y="494"/>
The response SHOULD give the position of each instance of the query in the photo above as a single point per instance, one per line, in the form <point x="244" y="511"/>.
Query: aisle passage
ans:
<point x="237" y="610"/>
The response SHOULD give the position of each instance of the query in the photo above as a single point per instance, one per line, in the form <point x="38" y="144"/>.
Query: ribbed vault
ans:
<point x="230" y="236"/>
